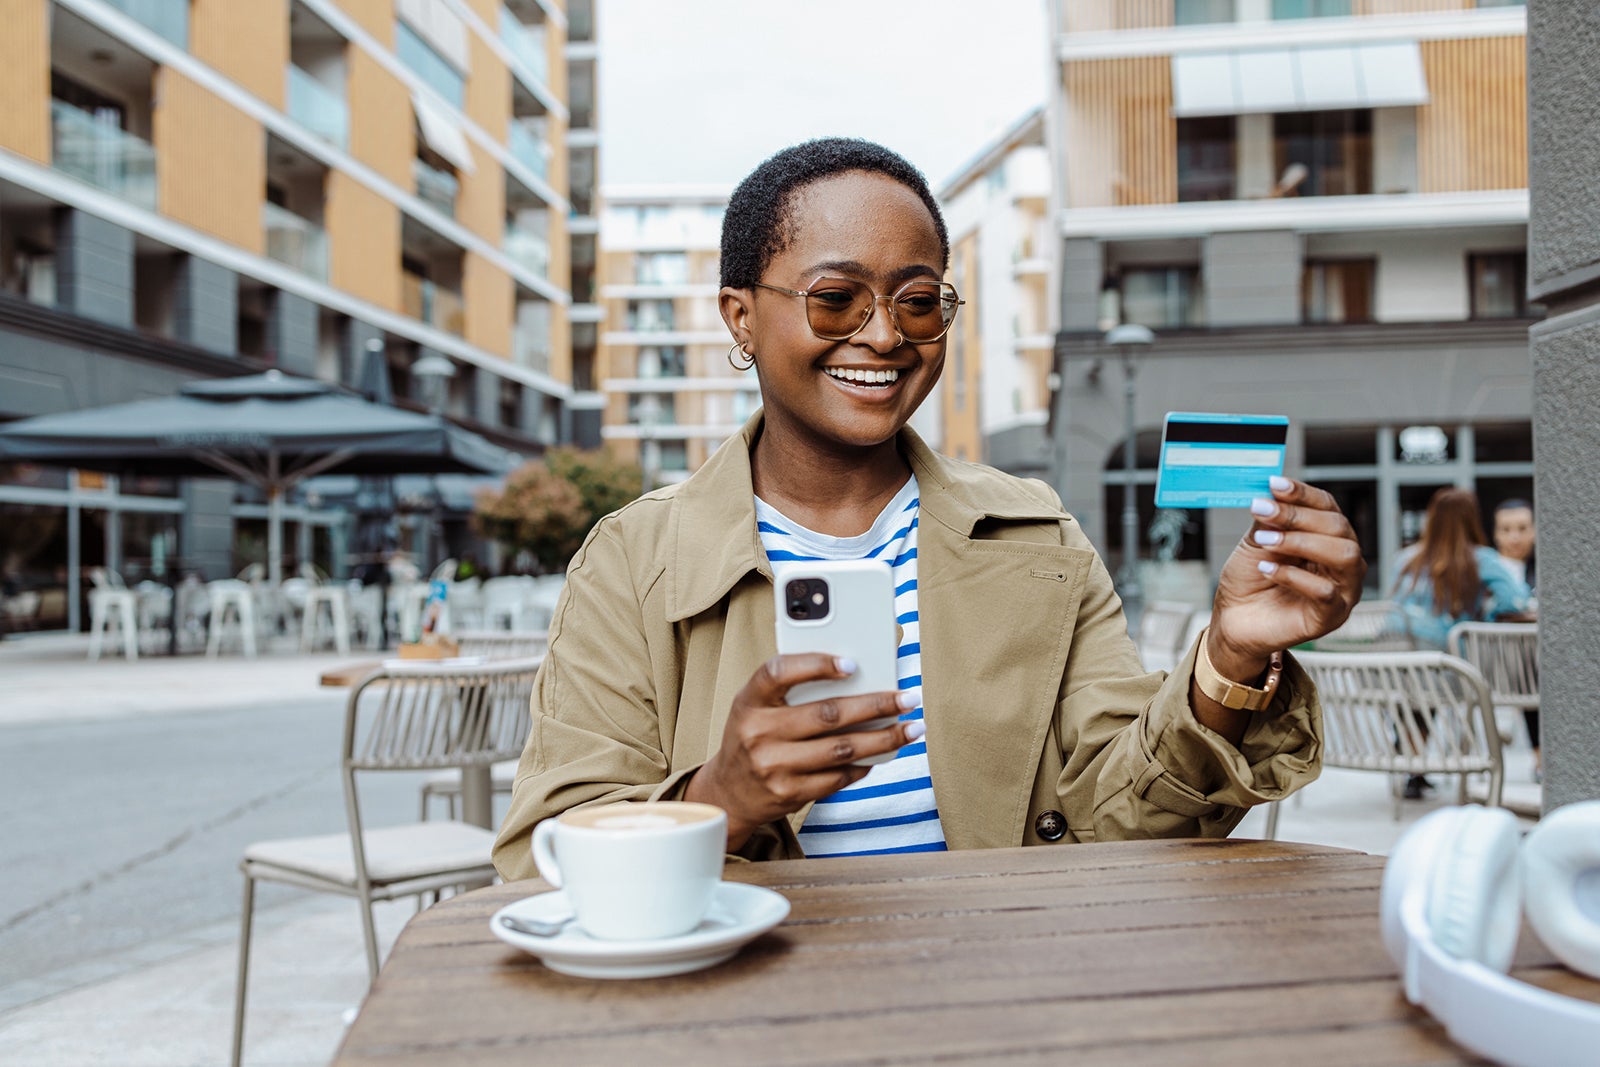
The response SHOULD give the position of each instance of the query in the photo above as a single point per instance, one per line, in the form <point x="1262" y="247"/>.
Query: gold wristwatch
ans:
<point x="1232" y="694"/>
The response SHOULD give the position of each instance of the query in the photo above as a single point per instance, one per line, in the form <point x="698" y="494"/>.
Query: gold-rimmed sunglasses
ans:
<point x="839" y="308"/>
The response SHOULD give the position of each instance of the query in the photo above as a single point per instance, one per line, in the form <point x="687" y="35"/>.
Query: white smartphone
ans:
<point x="841" y="608"/>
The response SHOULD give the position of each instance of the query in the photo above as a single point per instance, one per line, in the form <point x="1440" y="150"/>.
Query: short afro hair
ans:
<point x="757" y="225"/>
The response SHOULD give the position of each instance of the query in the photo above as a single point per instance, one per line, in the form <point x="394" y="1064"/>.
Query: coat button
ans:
<point x="1050" y="826"/>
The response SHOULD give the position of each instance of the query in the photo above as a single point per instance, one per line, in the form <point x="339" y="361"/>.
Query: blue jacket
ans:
<point x="1499" y="593"/>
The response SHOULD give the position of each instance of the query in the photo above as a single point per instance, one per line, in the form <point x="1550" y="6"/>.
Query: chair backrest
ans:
<point x="1405" y="712"/>
<point x="1373" y="626"/>
<point x="105" y="578"/>
<point x="503" y="644"/>
<point x="444" y="572"/>
<point x="254" y="572"/>
<point x="1161" y="630"/>
<point x="1506" y="654"/>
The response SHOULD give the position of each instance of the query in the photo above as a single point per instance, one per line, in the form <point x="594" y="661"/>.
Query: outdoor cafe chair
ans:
<point x="231" y="597"/>
<point x="1506" y="654"/>
<point x="505" y="600"/>
<point x="112" y="603"/>
<point x="1404" y="713"/>
<point x="1161" y="631"/>
<point x="418" y="717"/>
<point x="1373" y="626"/>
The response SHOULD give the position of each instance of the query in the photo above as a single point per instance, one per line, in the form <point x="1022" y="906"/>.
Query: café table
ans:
<point x="1160" y="952"/>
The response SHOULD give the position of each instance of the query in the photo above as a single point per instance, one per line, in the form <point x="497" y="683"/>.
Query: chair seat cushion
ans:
<point x="394" y="853"/>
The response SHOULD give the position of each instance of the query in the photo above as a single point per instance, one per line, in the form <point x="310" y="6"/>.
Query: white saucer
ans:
<point x="739" y="914"/>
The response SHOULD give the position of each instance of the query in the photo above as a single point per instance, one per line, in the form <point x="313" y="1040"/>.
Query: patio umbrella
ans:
<point x="269" y="430"/>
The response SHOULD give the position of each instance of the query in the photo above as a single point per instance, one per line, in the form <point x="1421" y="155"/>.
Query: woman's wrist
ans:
<point x="701" y="787"/>
<point x="1232" y="663"/>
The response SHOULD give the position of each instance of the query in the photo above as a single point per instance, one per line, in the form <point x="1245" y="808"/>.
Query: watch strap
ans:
<point x="1232" y="694"/>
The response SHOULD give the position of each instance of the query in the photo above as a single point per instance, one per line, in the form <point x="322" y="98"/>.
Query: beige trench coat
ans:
<point x="1040" y="718"/>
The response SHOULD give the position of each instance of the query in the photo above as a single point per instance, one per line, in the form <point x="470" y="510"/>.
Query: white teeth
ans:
<point x="866" y="377"/>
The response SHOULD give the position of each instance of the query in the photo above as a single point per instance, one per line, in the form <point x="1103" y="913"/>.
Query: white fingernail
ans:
<point x="845" y="664"/>
<point x="1266" y="566"/>
<point x="1279" y="483"/>
<point x="909" y="698"/>
<point x="1262" y="506"/>
<point x="916" y="730"/>
<point x="1268" y="537"/>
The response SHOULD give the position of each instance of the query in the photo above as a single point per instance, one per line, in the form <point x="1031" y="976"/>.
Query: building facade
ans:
<point x="1320" y="208"/>
<point x="671" y="395"/>
<point x="336" y="188"/>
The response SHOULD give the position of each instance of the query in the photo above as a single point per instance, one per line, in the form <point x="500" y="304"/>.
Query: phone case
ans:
<point x="860" y="624"/>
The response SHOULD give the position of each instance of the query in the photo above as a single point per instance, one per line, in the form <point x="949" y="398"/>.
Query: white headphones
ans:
<point x="1454" y="891"/>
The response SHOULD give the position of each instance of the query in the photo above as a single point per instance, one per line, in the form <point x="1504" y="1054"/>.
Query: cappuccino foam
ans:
<point x="647" y="816"/>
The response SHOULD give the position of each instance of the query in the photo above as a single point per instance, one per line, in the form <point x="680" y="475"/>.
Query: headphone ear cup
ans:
<point x="1474" y="896"/>
<point x="1561" y="883"/>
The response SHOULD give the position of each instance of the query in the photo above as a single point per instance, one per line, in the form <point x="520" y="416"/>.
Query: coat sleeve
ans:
<point x="1136" y="762"/>
<point x="596" y="732"/>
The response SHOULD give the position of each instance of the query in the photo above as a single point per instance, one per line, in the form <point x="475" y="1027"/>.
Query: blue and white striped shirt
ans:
<point x="892" y="809"/>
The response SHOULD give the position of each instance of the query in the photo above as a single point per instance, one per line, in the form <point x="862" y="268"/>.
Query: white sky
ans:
<point x="700" y="91"/>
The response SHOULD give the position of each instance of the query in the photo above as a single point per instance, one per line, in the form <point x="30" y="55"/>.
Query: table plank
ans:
<point x="1116" y="953"/>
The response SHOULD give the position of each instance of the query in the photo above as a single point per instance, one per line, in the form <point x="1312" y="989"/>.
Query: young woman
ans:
<point x="1023" y="714"/>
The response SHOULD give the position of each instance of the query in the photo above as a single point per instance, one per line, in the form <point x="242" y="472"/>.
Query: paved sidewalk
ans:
<point x="170" y="1004"/>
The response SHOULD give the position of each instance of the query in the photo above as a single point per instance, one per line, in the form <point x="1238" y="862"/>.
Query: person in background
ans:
<point x="1513" y="540"/>
<point x="1452" y="575"/>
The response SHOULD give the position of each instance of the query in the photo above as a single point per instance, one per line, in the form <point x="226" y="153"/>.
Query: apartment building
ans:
<point x="992" y="403"/>
<point x="337" y="188"/>
<point x="1320" y="208"/>
<point x="671" y="396"/>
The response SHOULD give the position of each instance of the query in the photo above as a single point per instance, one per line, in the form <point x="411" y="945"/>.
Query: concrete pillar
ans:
<point x="354" y="336"/>
<point x="206" y="534"/>
<point x="94" y="268"/>
<point x="486" y="404"/>
<point x="1563" y="269"/>
<point x="1082" y="271"/>
<point x="292" y="334"/>
<point x="205" y="305"/>
<point x="1251" y="279"/>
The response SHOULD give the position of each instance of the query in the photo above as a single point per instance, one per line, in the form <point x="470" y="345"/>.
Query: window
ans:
<point x="1337" y="290"/>
<point x="1162" y="297"/>
<point x="674" y="455"/>
<point x="1309" y="9"/>
<point x="661" y="268"/>
<point x="428" y="65"/>
<point x="1201" y="12"/>
<point x="653" y="409"/>
<point x="1333" y="147"/>
<point x="649" y="316"/>
<point x="1207" y="159"/>
<point x="1499" y="285"/>
<point x="666" y="361"/>
<point x="510" y="404"/>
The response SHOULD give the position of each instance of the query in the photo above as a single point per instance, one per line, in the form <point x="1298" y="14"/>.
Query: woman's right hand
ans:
<point x="776" y="758"/>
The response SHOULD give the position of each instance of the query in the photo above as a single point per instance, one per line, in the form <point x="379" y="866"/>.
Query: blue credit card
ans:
<point x="1219" y="461"/>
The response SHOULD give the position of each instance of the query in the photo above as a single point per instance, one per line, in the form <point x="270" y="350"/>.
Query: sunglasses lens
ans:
<point x="837" y="307"/>
<point x="924" y="309"/>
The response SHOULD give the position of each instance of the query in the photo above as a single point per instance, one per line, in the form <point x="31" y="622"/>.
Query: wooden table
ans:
<point x="1179" y="952"/>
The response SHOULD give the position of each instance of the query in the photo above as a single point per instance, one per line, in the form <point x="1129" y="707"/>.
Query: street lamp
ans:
<point x="434" y="372"/>
<point x="1127" y="339"/>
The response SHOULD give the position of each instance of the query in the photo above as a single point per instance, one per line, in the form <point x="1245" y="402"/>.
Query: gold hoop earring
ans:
<point x="750" y="360"/>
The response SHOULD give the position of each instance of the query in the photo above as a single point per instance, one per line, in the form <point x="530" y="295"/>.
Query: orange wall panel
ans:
<point x="488" y="90"/>
<point x="1092" y="16"/>
<point x="210" y="161"/>
<point x="25" y="78"/>
<point x="481" y="202"/>
<point x="1473" y="132"/>
<point x="382" y="128"/>
<point x="1123" y="137"/>
<point x="364" y="242"/>
<point x="247" y="42"/>
<point x="488" y="11"/>
<point x="489" y="294"/>
<point x="375" y="16"/>
<point x="963" y="366"/>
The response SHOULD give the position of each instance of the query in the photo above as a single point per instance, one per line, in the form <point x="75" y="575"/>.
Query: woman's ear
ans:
<point x="735" y="307"/>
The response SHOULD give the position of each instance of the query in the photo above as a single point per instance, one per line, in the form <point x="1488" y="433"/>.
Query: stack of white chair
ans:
<point x="465" y="599"/>
<point x="111" y="603"/>
<point x="232" y="599"/>
<point x="505" y="602"/>
<point x="1161" y="633"/>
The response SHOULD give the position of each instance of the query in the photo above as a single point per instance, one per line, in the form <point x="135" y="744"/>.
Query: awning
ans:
<point x="442" y="134"/>
<point x="1308" y="78"/>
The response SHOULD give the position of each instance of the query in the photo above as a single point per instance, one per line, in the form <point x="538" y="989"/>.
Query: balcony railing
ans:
<point x="318" y="108"/>
<point x="98" y="151"/>
<point x="435" y="186"/>
<point x="529" y="149"/>
<point x="295" y="240"/>
<point x="432" y="303"/>
<point x="528" y="247"/>
<point x="169" y="18"/>
<point x="526" y="46"/>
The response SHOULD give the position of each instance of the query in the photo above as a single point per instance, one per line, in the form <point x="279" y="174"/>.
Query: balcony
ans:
<point x="318" y="108"/>
<point x="431" y="303"/>
<point x="529" y="149"/>
<point x="170" y="20"/>
<point x="526" y="47"/>
<point x="435" y="186"/>
<point x="103" y="154"/>
<point x="295" y="241"/>
<point x="527" y="247"/>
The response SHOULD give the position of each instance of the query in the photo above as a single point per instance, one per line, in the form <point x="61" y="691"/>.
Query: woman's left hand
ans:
<point x="1293" y="578"/>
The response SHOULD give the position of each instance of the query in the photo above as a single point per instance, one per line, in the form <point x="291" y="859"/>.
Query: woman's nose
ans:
<point x="880" y="332"/>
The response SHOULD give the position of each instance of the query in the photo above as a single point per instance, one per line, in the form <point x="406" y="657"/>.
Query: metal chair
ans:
<point x="112" y="602"/>
<point x="1506" y="654"/>
<point x="1404" y="713"/>
<point x="422" y="717"/>
<point x="1161" y="631"/>
<point x="1373" y="626"/>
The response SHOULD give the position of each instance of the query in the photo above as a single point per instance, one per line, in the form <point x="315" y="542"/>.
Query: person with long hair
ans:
<point x="1451" y="575"/>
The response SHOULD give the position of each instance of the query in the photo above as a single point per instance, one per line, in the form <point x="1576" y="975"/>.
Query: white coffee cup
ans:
<point x="635" y="871"/>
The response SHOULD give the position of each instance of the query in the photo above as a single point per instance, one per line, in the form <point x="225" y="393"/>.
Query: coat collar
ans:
<point x="714" y="541"/>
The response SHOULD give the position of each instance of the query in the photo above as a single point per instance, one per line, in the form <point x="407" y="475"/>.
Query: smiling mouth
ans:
<point x="870" y="379"/>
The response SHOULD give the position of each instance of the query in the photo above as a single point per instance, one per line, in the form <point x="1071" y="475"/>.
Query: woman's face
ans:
<point x="857" y="225"/>
<point x="1513" y="532"/>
